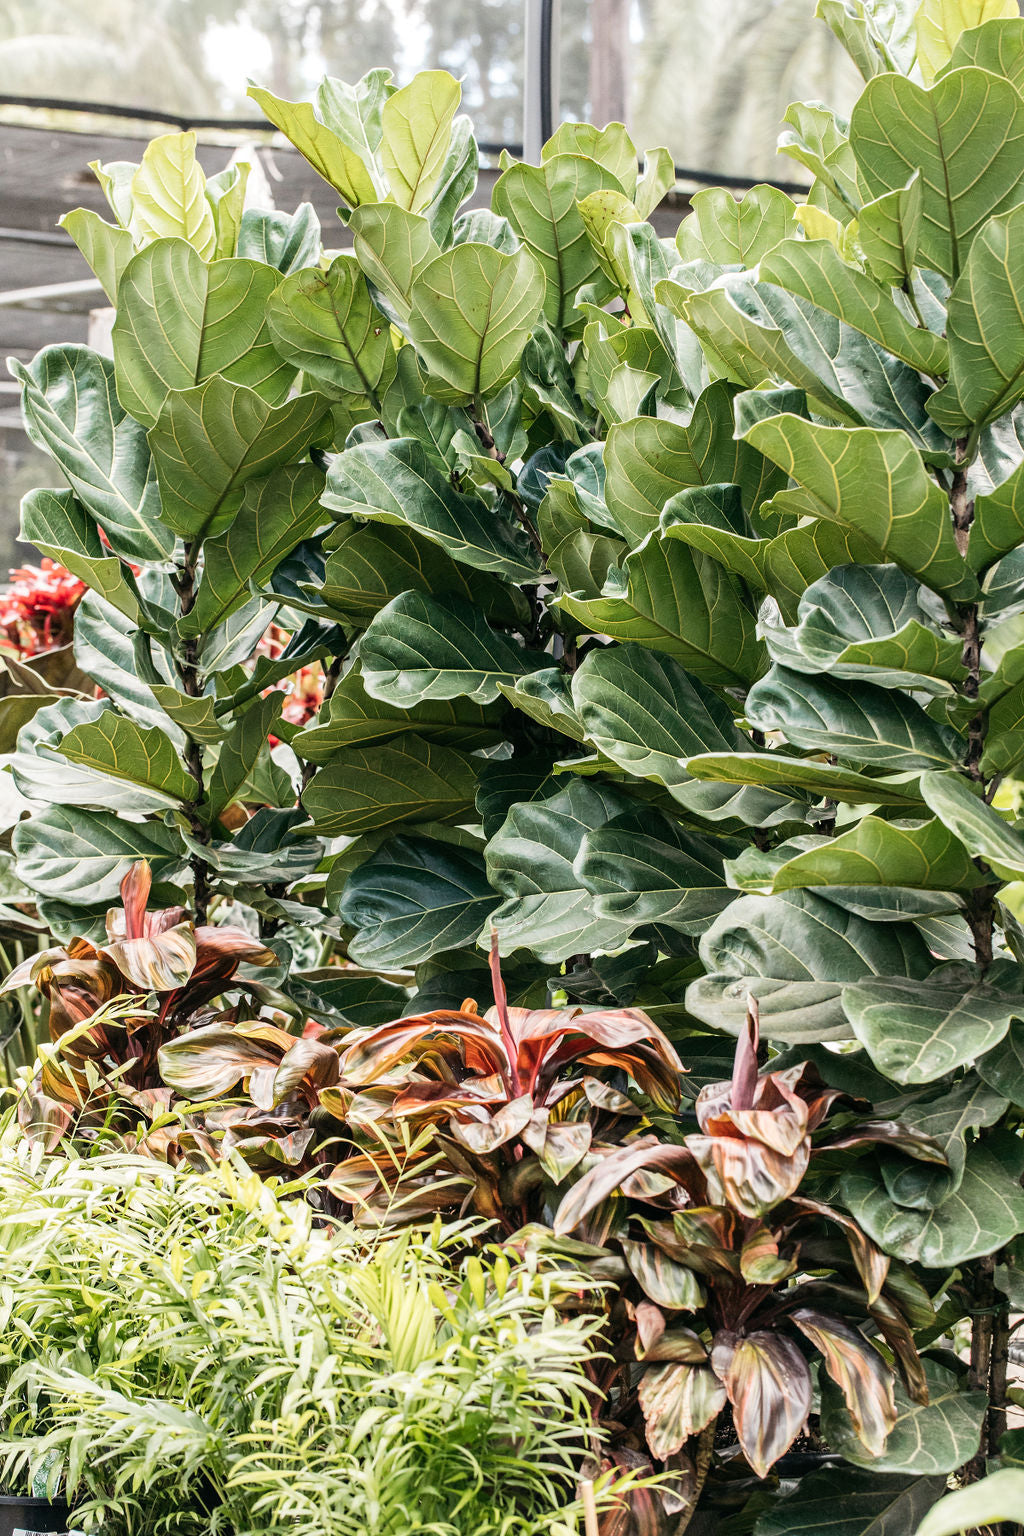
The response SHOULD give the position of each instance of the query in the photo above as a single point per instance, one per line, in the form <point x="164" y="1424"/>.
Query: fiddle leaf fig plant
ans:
<point x="668" y="599"/>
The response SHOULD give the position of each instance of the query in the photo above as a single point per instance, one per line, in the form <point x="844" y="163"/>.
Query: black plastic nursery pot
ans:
<point x="22" y="1516"/>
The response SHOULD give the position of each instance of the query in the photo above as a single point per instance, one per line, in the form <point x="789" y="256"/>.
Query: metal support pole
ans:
<point x="540" y="75"/>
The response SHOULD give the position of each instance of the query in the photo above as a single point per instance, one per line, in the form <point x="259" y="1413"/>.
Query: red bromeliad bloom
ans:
<point x="36" y="610"/>
<point x="304" y="688"/>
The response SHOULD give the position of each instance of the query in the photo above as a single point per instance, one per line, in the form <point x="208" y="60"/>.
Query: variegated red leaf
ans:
<point x="560" y="1145"/>
<point x="492" y="1131"/>
<point x="664" y="1281"/>
<point x="858" y="1370"/>
<point x="210" y="1061"/>
<point x="768" y="1383"/>
<point x="157" y="963"/>
<point x="373" y="1053"/>
<point x="871" y="1263"/>
<point x="678" y="1401"/>
<point x="607" y="1176"/>
<point x="760" y="1260"/>
<point x="898" y="1335"/>
<point x="747" y="1175"/>
<point x="135" y="889"/>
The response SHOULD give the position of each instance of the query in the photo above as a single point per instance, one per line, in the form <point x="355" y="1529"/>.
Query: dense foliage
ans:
<point x="668" y="597"/>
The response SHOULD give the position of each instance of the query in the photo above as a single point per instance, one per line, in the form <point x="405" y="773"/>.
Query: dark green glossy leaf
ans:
<point x="406" y="780"/>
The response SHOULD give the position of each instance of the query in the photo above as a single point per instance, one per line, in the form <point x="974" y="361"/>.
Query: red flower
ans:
<point x="36" y="610"/>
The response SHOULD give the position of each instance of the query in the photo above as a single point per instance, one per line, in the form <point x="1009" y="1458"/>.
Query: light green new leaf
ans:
<point x="59" y="526"/>
<point x="326" y="324"/>
<point x="352" y="719"/>
<point x="871" y="726"/>
<point x="211" y="440"/>
<point x="397" y="482"/>
<point x="180" y="320"/>
<point x="278" y="511"/>
<point x="875" y="483"/>
<point x="416" y="129"/>
<point x="107" y="248"/>
<point x="727" y="230"/>
<point x="997" y="46"/>
<point x="918" y="1031"/>
<point x="530" y="862"/>
<point x="329" y="156"/>
<point x="72" y="410"/>
<point x="225" y="194"/>
<point x="983" y="1214"/>
<point x="392" y="246"/>
<point x="610" y="146"/>
<point x="817" y="138"/>
<point x="999" y="1496"/>
<point x="414" y="898"/>
<point x="877" y="37"/>
<point x="77" y="855"/>
<point x="670" y="598"/>
<point x="985" y="327"/>
<point x="866" y="622"/>
<point x="794" y="953"/>
<point x="889" y="230"/>
<point x="168" y="195"/>
<point x="966" y="137"/>
<point x="814" y="270"/>
<point x="473" y="309"/>
<point x="921" y="855"/>
<point x="418" y="648"/>
<point x="409" y="779"/>
<point x="644" y="712"/>
<point x="144" y="755"/>
<point x="539" y="202"/>
<point x="941" y="23"/>
<point x="774" y="770"/>
<point x="981" y="829"/>
<point x="353" y="112"/>
<point x="643" y="869"/>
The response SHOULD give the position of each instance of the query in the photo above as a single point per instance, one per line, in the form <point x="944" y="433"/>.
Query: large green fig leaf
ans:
<point x="876" y="484"/>
<point x="82" y="856"/>
<point x="418" y="648"/>
<point x="966" y="137"/>
<point x="325" y="323"/>
<point x="72" y="411"/>
<point x="539" y="202"/>
<point x="774" y="770"/>
<point x="889" y="230"/>
<point x="918" y="1031"/>
<point x="867" y="623"/>
<point x="930" y="1439"/>
<point x="947" y="1117"/>
<point x="642" y="710"/>
<point x="41" y="774"/>
<point x="181" y="320"/>
<point x="919" y="855"/>
<point x="672" y="599"/>
<point x="985" y="327"/>
<point x="647" y="461"/>
<point x="352" y="718"/>
<point x="530" y="862"/>
<point x="644" y="870"/>
<point x="115" y="745"/>
<point x="59" y="526"/>
<point x="396" y="482"/>
<point x="857" y="721"/>
<point x="107" y="248"/>
<point x="406" y="780"/>
<point x="983" y="1214"/>
<point x="997" y="1497"/>
<point x="285" y="241"/>
<point x="794" y="953"/>
<point x="414" y="898"/>
<point x="473" y="309"/>
<point x="997" y="45"/>
<point x="849" y="1501"/>
<point x="369" y="564"/>
<point x="392" y="246"/>
<point x="725" y="229"/>
<point x="981" y="829"/>
<point x="209" y="441"/>
<point x="278" y="512"/>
